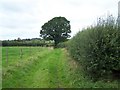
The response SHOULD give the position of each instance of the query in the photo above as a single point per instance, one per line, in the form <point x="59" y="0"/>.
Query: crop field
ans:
<point x="44" y="67"/>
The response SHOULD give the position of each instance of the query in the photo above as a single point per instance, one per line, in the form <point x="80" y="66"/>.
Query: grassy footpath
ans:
<point x="47" y="68"/>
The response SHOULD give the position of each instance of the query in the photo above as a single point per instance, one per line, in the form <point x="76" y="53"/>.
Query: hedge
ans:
<point x="97" y="48"/>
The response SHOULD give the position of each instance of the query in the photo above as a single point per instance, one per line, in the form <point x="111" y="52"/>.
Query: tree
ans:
<point x="18" y="39"/>
<point x="57" y="29"/>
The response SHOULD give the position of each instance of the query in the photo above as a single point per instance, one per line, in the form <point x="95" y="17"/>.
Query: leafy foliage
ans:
<point x="97" y="48"/>
<point x="62" y="44"/>
<point x="27" y="42"/>
<point x="56" y="29"/>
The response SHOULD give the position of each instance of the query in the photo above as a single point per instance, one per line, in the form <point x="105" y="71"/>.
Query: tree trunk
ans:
<point x="55" y="44"/>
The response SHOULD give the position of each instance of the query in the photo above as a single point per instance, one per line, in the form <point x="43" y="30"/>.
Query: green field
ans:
<point x="42" y="67"/>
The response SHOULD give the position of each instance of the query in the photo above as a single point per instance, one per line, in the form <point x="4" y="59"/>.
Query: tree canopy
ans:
<point x="57" y="29"/>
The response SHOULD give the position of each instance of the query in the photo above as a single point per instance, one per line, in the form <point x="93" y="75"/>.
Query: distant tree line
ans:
<point x="27" y="42"/>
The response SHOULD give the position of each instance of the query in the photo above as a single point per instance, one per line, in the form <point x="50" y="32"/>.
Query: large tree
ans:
<point x="57" y="29"/>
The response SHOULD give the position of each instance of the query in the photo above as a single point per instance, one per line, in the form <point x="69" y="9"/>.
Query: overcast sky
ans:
<point x="24" y="18"/>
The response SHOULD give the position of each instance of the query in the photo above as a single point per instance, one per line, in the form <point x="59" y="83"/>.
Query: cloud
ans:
<point x="16" y="19"/>
<point x="24" y="18"/>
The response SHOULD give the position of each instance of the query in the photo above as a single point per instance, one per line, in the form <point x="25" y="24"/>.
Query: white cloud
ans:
<point x="24" y="18"/>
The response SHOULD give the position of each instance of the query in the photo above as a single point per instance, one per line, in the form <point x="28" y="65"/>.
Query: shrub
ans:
<point x="97" y="48"/>
<point x="62" y="44"/>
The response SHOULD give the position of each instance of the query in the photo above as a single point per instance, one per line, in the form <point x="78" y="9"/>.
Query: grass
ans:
<point x="45" y="68"/>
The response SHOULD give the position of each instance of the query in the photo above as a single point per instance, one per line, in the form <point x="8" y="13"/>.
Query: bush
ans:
<point x="62" y="44"/>
<point x="97" y="48"/>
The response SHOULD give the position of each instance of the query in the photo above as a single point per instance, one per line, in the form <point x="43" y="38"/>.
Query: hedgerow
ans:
<point x="62" y="44"/>
<point x="97" y="48"/>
